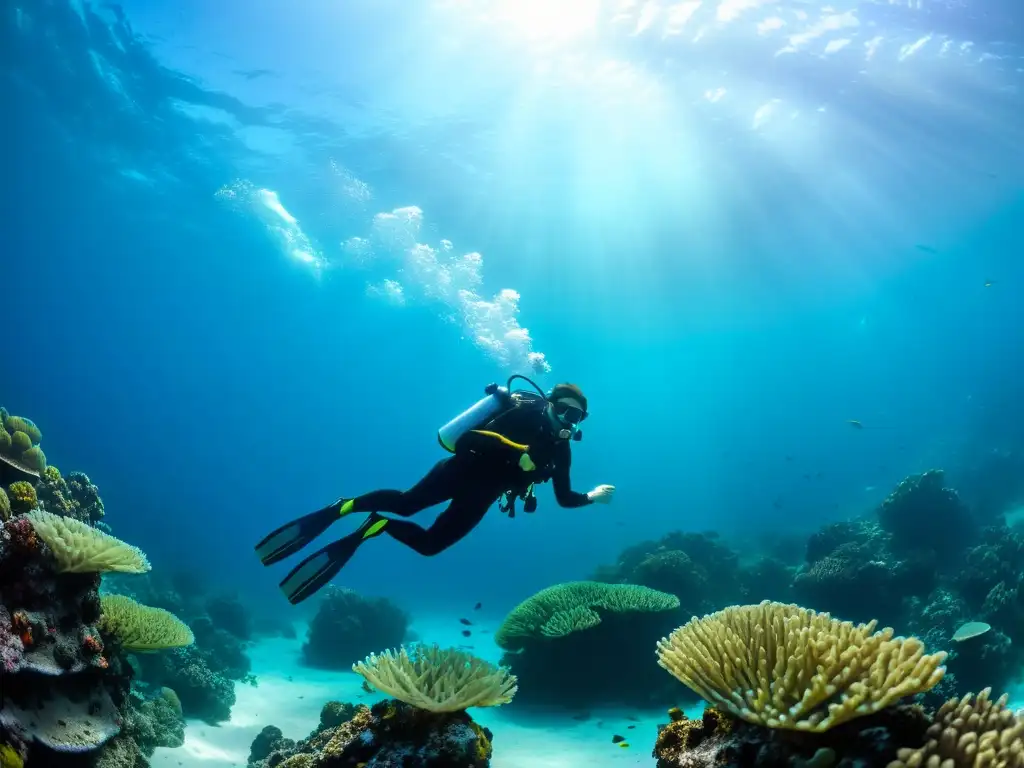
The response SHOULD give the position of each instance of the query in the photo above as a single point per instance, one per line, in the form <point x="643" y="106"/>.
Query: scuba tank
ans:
<point x="496" y="400"/>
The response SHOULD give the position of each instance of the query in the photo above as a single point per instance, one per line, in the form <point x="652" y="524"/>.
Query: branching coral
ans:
<point x="438" y="680"/>
<point x="787" y="667"/>
<point x="565" y="608"/>
<point x="79" y="548"/>
<point x="970" y="733"/>
<point x="142" y="628"/>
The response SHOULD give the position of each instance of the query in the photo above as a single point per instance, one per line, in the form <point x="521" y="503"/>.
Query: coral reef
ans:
<point x="156" y="722"/>
<point x="79" y="548"/>
<point x="21" y="458"/>
<point x="22" y="496"/>
<point x="65" y="680"/>
<point x="921" y="514"/>
<point x="348" y="626"/>
<point x="438" y="680"/>
<point x="74" y="496"/>
<point x="390" y="733"/>
<point x="229" y="614"/>
<point x="786" y="667"/>
<point x="720" y="741"/>
<point x="57" y="695"/>
<point x="972" y="731"/>
<point x="203" y="693"/>
<point x="140" y="628"/>
<point x="560" y="642"/>
<point x="203" y="673"/>
<point x="695" y="567"/>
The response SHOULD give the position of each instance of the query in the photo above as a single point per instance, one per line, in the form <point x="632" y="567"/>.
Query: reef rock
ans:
<point x="390" y="733"/>
<point x="60" y="693"/>
<point x="722" y="741"/>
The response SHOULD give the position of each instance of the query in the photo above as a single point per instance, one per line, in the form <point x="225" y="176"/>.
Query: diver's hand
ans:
<point x="526" y="463"/>
<point x="602" y="494"/>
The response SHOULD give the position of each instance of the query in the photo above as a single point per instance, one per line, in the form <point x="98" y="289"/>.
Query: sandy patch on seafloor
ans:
<point x="290" y="696"/>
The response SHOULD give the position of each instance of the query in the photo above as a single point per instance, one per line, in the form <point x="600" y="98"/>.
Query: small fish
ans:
<point x="466" y="633"/>
<point x="478" y="606"/>
<point x="367" y="687"/>
<point x="989" y="283"/>
<point x="630" y="727"/>
<point x="633" y="718"/>
<point x="467" y="622"/>
<point x="926" y="248"/>
<point x="616" y="739"/>
<point x="855" y="424"/>
<point x="623" y="744"/>
<point x="466" y="647"/>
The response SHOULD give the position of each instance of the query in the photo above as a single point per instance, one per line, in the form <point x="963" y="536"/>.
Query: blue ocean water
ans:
<point x="255" y="254"/>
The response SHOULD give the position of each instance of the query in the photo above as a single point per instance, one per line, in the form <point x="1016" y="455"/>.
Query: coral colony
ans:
<point x="101" y="660"/>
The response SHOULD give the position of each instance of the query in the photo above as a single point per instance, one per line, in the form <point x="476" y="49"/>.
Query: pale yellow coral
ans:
<point x="142" y="628"/>
<point x="438" y="680"/>
<point x="970" y="733"/>
<point x="783" y="666"/>
<point x="80" y="548"/>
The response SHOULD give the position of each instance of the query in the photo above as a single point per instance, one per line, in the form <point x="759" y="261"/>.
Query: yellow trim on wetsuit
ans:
<point x="503" y="439"/>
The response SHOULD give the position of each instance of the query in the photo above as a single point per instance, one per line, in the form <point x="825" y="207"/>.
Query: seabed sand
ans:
<point x="290" y="696"/>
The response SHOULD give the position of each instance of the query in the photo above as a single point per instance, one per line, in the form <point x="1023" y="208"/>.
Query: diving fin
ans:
<point x="320" y="567"/>
<point x="293" y="536"/>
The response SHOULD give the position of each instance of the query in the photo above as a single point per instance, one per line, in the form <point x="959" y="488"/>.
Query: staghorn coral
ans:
<point x="969" y="733"/>
<point x="79" y="548"/>
<point x="140" y="628"/>
<point x="438" y="680"/>
<point x="22" y="497"/>
<point x="564" y="608"/>
<point x="788" y="667"/>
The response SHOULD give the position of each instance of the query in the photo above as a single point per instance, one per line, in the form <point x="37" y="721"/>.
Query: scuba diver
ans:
<point x="501" y="446"/>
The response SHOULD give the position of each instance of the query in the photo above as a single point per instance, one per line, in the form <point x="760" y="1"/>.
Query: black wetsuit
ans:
<point x="482" y="469"/>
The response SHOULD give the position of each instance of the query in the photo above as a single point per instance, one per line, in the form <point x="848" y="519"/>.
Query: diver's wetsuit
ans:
<point x="482" y="469"/>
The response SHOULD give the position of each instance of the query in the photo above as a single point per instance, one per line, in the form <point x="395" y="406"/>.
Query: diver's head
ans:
<point x="567" y="406"/>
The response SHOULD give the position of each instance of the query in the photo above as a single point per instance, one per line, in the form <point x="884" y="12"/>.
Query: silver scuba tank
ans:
<point x="482" y="411"/>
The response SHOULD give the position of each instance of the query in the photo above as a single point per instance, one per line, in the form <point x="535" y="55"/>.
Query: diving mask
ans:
<point x="569" y="415"/>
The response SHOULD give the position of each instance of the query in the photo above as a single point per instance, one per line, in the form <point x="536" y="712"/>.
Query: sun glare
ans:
<point x="547" y="21"/>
